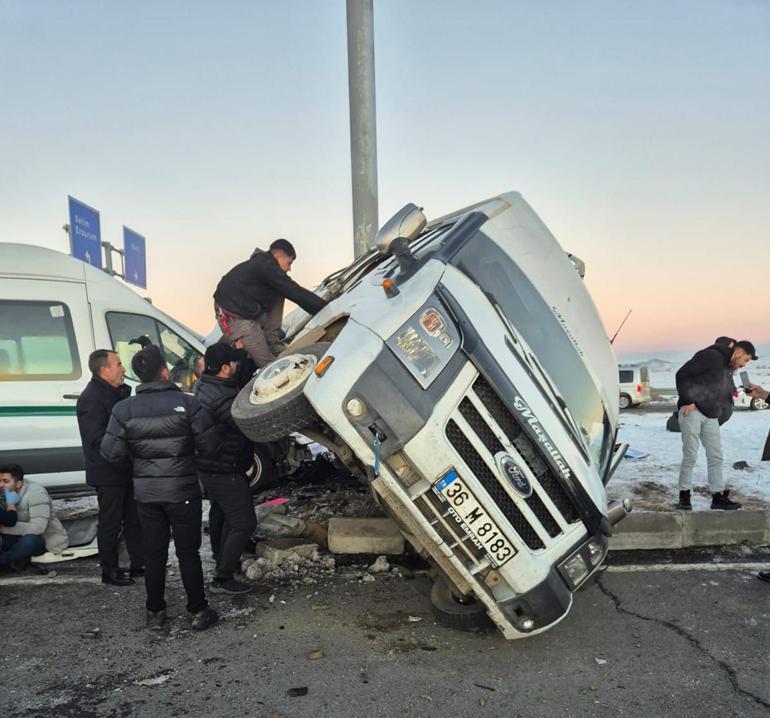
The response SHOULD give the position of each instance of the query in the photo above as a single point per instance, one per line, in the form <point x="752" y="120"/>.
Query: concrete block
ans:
<point x="648" y="530"/>
<point x="285" y="549"/>
<point x="379" y="536"/>
<point x="277" y="526"/>
<point x="721" y="528"/>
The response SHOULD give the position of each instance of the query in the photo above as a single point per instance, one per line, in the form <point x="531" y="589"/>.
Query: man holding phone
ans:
<point x="705" y="387"/>
<point x="757" y="392"/>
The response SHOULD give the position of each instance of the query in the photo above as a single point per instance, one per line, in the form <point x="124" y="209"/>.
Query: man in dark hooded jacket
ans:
<point x="114" y="489"/>
<point x="249" y="299"/>
<point x="232" y="519"/>
<point x="162" y="431"/>
<point x="705" y="387"/>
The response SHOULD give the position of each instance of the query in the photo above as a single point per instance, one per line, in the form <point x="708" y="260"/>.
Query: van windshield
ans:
<point x="485" y="263"/>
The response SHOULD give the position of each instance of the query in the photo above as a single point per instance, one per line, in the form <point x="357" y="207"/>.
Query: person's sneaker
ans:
<point x="115" y="578"/>
<point x="684" y="501"/>
<point x="764" y="576"/>
<point x="156" y="621"/>
<point x="721" y="501"/>
<point x="229" y="585"/>
<point x="203" y="619"/>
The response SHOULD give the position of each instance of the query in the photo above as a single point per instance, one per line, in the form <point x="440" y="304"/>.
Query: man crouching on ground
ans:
<point x="705" y="387"/>
<point x="36" y="529"/>
<point x="232" y="520"/>
<point x="162" y="430"/>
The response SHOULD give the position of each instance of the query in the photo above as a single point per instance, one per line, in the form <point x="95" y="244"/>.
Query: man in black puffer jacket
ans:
<point x="114" y="489"/>
<point x="248" y="300"/>
<point x="232" y="519"/>
<point x="162" y="431"/>
<point x="705" y="386"/>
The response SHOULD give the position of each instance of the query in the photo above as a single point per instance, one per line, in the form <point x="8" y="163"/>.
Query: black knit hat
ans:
<point x="148" y="363"/>
<point x="217" y="355"/>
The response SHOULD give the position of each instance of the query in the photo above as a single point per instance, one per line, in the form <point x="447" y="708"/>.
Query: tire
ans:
<point x="757" y="404"/>
<point x="289" y="411"/>
<point x="469" y="615"/>
<point x="625" y="401"/>
<point x="261" y="475"/>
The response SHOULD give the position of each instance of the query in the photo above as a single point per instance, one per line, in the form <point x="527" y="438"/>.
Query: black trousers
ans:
<point x="185" y="520"/>
<point x="232" y="520"/>
<point x="117" y="515"/>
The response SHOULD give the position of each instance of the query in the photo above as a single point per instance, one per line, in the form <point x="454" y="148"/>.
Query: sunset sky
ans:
<point x="639" y="132"/>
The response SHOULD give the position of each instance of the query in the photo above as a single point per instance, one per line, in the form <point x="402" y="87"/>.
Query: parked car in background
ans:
<point x="634" y="385"/>
<point x="742" y="400"/>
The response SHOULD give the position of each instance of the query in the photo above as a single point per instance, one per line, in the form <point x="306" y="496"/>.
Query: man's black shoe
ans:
<point x="203" y="619"/>
<point x="229" y="585"/>
<point x="720" y="501"/>
<point x="764" y="576"/>
<point x="684" y="501"/>
<point x="134" y="572"/>
<point x="155" y="621"/>
<point x="115" y="578"/>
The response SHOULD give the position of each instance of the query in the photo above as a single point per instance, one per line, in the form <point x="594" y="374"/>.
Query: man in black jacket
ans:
<point x="162" y="431"/>
<point x="114" y="489"/>
<point x="705" y="387"/>
<point x="248" y="300"/>
<point x="232" y="519"/>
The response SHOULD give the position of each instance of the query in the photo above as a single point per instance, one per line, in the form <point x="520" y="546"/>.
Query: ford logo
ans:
<point x="516" y="477"/>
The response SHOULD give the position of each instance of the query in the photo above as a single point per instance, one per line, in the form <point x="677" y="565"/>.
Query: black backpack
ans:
<point x="672" y="423"/>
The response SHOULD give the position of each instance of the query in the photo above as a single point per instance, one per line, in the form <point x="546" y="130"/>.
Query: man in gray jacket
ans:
<point x="37" y="529"/>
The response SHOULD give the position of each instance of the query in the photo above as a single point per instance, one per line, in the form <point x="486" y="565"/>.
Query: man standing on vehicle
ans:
<point x="249" y="299"/>
<point x="705" y="387"/>
<point x="232" y="519"/>
<point x="114" y="488"/>
<point x="162" y="430"/>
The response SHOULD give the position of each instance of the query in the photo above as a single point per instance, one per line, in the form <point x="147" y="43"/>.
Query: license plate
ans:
<point x="473" y="519"/>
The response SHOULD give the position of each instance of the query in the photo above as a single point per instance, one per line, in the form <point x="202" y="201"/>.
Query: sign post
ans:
<point x="85" y="233"/>
<point x="134" y="258"/>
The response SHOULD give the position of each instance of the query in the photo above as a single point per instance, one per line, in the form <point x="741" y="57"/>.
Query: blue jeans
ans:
<point x="15" y="548"/>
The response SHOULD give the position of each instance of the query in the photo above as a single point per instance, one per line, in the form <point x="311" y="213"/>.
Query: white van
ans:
<point x="634" y="385"/>
<point x="54" y="311"/>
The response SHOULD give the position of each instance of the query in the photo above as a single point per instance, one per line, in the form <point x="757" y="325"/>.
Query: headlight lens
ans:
<point x="426" y="342"/>
<point x="576" y="569"/>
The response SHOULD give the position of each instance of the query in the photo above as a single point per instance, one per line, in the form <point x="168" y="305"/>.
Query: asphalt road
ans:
<point x="637" y="643"/>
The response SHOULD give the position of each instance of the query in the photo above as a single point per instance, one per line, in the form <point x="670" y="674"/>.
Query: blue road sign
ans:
<point x="85" y="233"/>
<point x="135" y="258"/>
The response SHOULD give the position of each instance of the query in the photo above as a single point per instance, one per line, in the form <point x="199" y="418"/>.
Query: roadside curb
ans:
<point x="683" y="529"/>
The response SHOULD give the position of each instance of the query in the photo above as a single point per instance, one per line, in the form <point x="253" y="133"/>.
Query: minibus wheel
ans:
<point x="464" y="614"/>
<point x="625" y="401"/>
<point x="273" y="404"/>
<point x="261" y="475"/>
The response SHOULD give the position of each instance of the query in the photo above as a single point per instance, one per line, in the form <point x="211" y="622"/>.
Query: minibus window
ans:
<point x="37" y="342"/>
<point x="124" y="330"/>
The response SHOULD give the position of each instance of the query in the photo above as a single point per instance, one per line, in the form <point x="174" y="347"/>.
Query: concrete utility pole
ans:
<point x="363" y="123"/>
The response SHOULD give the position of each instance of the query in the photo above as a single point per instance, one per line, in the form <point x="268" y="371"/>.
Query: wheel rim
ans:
<point x="281" y="377"/>
<point x="624" y="402"/>
<point x="760" y="404"/>
<point x="255" y="472"/>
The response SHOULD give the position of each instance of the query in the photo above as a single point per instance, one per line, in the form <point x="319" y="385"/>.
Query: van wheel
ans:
<point x="273" y="404"/>
<point x="464" y="614"/>
<point x="261" y="475"/>
<point x="758" y="403"/>
<point x="625" y="401"/>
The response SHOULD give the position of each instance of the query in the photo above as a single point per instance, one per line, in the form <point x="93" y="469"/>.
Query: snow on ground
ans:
<point x="651" y="483"/>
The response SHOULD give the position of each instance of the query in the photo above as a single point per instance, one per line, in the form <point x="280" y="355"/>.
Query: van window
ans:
<point x="626" y="376"/>
<point x="180" y="355"/>
<point x="37" y="342"/>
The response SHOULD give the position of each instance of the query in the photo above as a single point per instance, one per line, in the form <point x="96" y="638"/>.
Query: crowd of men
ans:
<point x="153" y="456"/>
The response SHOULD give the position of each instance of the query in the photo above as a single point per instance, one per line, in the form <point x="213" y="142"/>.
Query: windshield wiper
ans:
<point x="514" y="337"/>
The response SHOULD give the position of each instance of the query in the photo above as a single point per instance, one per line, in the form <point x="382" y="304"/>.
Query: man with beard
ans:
<point x="705" y="387"/>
